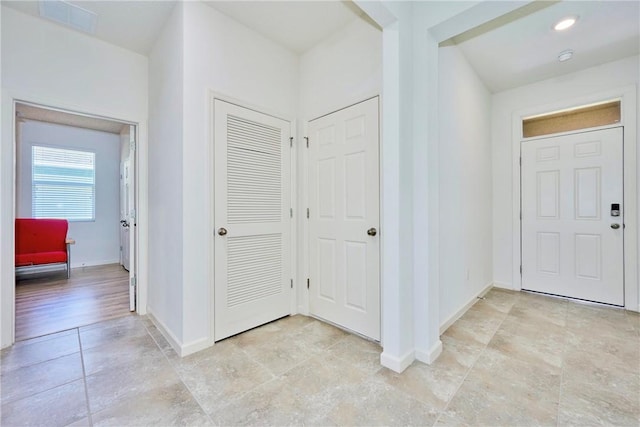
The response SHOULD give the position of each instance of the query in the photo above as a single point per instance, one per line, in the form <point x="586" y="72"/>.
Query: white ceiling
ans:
<point x="526" y="50"/>
<point x="519" y="52"/>
<point x="133" y="25"/>
<point x="296" y="25"/>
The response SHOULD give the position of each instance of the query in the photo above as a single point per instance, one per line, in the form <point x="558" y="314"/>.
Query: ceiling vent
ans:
<point x="70" y="15"/>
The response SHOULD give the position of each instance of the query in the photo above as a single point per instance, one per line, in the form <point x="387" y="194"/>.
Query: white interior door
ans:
<point x="130" y="188"/>
<point x="252" y="220"/>
<point x="344" y="252"/>
<point x="124" y="216"/>
<point x="572" y="236"/>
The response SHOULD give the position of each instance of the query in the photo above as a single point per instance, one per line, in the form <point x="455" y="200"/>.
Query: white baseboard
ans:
<point x="503" y="285"/>
<point x="92" y="263"/>
<point x="462" y="310"/>
<point x="195" y="346"/>
<point x="181" y="349"/>
<point x="171" y="339"/>
<point x="397" y="364"/>
<point x="429" y="356"/>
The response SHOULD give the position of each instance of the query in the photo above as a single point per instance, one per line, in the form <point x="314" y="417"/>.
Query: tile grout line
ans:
<point x="562" y="362"/>
<point x="472" y="366"/>
<point x="274" y="376"/>
<point x="178" y="374"/>
<point x="84" y="379"/>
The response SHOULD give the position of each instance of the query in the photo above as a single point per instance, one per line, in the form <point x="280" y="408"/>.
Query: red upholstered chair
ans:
<point x="42" y="243"/>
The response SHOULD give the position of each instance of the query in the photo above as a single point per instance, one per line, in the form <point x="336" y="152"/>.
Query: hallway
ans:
<point x="512" y="359"/>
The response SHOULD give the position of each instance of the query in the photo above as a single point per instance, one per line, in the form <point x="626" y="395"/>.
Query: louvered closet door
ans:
<point x="252" y="223"/>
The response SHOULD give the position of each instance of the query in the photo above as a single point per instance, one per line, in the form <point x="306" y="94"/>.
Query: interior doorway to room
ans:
<point x="344" y="216"/>
<point x="573" y="215"/>
<point x="80" y="168"/>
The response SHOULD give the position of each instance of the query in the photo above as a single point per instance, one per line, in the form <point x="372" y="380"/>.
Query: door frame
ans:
<point x="627" y="97"/>
<point x="8" y="283"/>
<point x="306" y="249"/>
<point x="211" y="98"/>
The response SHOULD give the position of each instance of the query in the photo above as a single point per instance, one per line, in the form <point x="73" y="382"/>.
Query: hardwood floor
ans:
<point x="52" y="303"/>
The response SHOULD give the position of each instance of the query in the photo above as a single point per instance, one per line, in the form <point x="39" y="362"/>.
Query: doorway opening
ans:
<point x="77" y="169"/>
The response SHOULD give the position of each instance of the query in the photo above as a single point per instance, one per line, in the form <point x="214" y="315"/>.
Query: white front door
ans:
<point x="344" y="252"/>
<point x="572" y="216"/>
<point x="252" y="201"/>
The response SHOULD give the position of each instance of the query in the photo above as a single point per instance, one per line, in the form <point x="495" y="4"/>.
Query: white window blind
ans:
<point x="63" y="184"/>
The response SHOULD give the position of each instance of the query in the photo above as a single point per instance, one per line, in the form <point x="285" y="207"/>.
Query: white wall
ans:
<point x="97" y="242"/>
<point x="222" y="56"/>
<point x="45" y="63"/>
<point x="344" y="69"/>
<point x="594" y="80"/>
<point x="465" y="183"/>
<point x="338" y="72"/>
<point x="166" y="80"/>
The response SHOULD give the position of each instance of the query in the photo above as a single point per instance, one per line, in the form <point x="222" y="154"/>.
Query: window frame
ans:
<point x="34" y="182"/>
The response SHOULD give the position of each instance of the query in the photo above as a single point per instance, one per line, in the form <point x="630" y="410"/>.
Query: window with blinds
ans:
<point x="63" y="184"/>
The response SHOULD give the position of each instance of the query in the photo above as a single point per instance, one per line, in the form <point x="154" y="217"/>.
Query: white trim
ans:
<point x="431" y="355"/>
<point x="293" y="195"/>
<point x="397" y="364"/>
<point x="462" y="310"/>
<point x="627" y="95"/>
<point x="303" y="177"/>
<point x="503" y="285"/>
<point x="93" y="263"/>
<point x="171" y="339"/>
<point x="194" y="346"/>
<point x="7" y="272"/>
<point x="181" y="349"/>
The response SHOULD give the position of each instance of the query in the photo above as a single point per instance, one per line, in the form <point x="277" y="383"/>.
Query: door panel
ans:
<point x="251" y="204"/>
<point x="125" y="226"/>
<point x="130" y="181"/>
<point x="569" y="246"/>
<point x="344" y="204"/>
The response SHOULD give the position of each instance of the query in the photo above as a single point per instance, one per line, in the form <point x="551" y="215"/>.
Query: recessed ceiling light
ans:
<point x="565" y="23"/>
<point x="565" y="55"/>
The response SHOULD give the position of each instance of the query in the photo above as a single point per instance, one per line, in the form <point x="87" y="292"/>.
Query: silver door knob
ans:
<point x="222" y="231"/>
<point x="372" y="231"/>
<point x="615" y="226"/>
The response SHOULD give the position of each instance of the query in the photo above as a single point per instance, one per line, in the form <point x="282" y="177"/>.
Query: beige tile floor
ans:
<point x="514" y="359"/>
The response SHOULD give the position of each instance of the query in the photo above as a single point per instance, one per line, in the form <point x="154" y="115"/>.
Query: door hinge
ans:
<point x="521" y="270"/>
<point x="290" y="212"/>
<point x="520" y="161"/>
<point x="308" y="282"/>
<point x="307" y="139"/>
<point x="307" y="213"/>
<point x="290" y="141"/>
<point x="291" y="283"/>
<point x="133" y="280"/>
<point x="132" y="144"/>
<point x="520" y="215"/>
